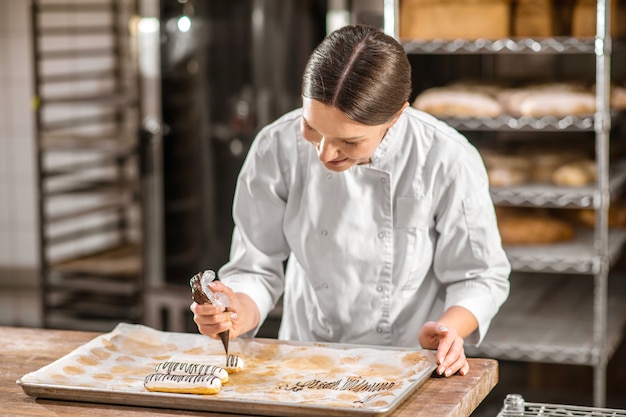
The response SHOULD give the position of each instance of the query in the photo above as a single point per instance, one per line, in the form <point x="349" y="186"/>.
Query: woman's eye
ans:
<point x="350" y="143"/>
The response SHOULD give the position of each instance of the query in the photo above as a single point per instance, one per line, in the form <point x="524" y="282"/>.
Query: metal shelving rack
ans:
<point x="556" y="45"/>
<point x="86" y="116"/>
<point x="548" y="315"/>
<point x="515" y="406"/>
<point x="559" y="197"/>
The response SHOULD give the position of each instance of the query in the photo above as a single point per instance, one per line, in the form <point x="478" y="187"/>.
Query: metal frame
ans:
<point x="89" y="191"/>
<point x="515" y="406"/>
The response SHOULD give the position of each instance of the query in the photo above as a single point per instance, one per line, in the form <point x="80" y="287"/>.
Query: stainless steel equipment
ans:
<point x="515" y="406"/>
<point x="225" y="70"/>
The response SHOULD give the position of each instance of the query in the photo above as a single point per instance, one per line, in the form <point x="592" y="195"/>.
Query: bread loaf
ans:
<point x="548" y="102"/>
<point x="533" y="230"/>
<point x="584" y="18"/>
<point x="454" y="19"/>
<point x="519" y="226"/>
<point x="618" y="97"/>
<point x="545" y="161"/>
<point x="575" y="174"/>
<point x="505" y="170"/>
<point x="456" y="101"/>
<point x="533" y="18"/>
<point x="616" y="219"/>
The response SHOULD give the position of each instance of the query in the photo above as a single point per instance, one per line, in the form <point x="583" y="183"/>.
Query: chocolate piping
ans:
<point x="200" y="298"/>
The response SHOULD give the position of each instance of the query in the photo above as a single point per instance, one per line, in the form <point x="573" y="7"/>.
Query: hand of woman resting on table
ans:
<point x="241" y="316"/>
<point x="449" y="345"/>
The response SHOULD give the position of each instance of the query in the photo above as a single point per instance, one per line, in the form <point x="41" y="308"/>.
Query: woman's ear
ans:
<point x="398" y="114"/>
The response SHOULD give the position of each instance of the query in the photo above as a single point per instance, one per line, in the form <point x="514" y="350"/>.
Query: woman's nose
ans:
<point x="325" y="150"/>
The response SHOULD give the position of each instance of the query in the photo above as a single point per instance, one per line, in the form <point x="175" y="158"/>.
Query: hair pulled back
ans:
<point x="362" y="72"/>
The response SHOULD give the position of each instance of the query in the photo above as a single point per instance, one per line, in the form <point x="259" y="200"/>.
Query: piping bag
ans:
<point x="202" y="294"/>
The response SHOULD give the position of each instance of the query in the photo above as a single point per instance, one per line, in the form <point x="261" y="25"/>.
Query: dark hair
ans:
<point x="362" y="72"/>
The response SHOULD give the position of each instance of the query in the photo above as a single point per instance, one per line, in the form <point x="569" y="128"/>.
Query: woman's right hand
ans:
<point x="240" y="316"/>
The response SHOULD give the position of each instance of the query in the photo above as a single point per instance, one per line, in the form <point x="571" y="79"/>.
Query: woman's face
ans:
<point x="340" y="142"/>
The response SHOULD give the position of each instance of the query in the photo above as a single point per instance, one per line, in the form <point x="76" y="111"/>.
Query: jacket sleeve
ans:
<point x="469" y="258"/>
<point x="258" y="247"/>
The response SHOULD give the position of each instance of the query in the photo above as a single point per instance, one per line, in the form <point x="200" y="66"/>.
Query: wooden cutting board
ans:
<point x="26" y="350"/>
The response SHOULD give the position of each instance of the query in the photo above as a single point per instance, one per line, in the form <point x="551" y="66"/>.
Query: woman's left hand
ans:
<point x="449" y="345"/>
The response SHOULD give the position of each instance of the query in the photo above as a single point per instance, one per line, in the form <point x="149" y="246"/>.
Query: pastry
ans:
<point x="191" y="368"/>
<point x="183" y="384"/>
<point x="231" y="363"/>
<point x="228" y="363"/>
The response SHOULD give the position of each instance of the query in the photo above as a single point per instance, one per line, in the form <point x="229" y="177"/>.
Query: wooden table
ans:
<point x="24" y="350"/>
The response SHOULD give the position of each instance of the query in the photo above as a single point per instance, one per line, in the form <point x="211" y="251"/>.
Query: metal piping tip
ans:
<point x="225" y="337"/>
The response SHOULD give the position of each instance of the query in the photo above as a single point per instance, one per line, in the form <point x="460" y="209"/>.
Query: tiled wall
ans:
<point x="18" y="224"/>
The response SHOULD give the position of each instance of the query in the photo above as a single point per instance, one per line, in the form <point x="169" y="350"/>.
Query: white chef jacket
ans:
<point x="375" y="251"/>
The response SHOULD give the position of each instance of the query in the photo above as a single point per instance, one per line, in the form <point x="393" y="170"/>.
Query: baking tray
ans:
<point x="280" y="378"/>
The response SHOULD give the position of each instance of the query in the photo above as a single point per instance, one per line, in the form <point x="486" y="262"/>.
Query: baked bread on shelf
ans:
<point x="575" y="174"/>
<point x="520" y="226"/>
<point x="537" y="100"/>
<point x="506" y="170"/>
<point x="618" y="97"/>
<point x="546" y="160"/>
<point x="587" y="217"/>
<point x="525" y="165"/>
<point x="548" y="99"/>
<point x="459" y="100"/>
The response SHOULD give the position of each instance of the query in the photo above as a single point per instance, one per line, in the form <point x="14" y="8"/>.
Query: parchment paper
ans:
<point x="276" y="373"/>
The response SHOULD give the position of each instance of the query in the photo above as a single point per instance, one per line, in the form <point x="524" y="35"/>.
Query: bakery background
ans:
<point x="115" y="183"/>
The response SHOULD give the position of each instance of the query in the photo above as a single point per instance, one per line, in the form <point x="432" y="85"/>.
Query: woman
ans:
<point x="382" y="212"/>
